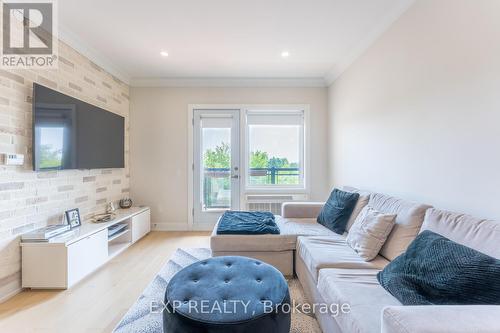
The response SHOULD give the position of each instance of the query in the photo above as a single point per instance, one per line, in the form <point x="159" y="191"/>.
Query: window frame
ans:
<point x="304" y="147"/>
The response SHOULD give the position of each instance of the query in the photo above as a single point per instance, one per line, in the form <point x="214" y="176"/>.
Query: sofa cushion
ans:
<point x="480" y="234"/>
<point x="369" y="233"/>
<point x="363" y="199"/>
<point x="360" y="289"/>
<point x="285" y="241"/>
<point x="410" y="217"/>
<point x="301" y="209"/>
<point x="441" y="318"/>
<point x="321" y="252"/>
<point x="337" y="210"/>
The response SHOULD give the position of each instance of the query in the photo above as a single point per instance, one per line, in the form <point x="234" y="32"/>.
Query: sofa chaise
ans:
<point x="277" y="250"/>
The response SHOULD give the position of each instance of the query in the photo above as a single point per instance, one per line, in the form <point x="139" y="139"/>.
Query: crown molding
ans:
<point x="68" y="37"/>
<point x="361" y="47"/>
<point x="343" y="64"/>
<point x="228" y="82"/>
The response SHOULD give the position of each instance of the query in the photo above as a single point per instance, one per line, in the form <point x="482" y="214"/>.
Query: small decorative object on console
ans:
<point x="126" y="203"/>
<point x="110" y="208"/>
<point x="73" y="217"/>
<point x="100" y="218"/>
<point x="45" y="233"/>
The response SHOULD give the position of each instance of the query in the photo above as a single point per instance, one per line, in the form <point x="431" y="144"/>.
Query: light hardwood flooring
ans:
<point x="97" y="303"/>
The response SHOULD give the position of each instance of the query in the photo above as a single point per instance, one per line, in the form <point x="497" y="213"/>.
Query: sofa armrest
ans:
<point x="441" y="319"/>
<point x="304" y="209"/>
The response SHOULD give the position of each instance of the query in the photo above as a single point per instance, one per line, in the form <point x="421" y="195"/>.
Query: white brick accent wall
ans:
<point x="29" y="199"/>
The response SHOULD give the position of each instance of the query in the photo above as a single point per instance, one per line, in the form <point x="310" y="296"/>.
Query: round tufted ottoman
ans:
<point x="227" y="294"/>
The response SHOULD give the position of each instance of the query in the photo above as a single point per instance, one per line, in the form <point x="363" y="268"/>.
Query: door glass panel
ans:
<point x="216" y="168"/>
<point x="215" y="164"/>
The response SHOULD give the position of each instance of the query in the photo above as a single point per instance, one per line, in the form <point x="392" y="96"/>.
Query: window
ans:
<point x="51" y="147"/>
<point x="275" y="149"/>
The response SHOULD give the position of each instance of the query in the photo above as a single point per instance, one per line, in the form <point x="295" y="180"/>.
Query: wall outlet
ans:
<point x="13" y="159"/>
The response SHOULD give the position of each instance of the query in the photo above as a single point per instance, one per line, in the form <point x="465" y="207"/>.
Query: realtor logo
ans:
<point x="29" y="34"/>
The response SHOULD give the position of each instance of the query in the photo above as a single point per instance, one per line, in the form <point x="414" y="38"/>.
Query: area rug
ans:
<point x="140" y="319"/>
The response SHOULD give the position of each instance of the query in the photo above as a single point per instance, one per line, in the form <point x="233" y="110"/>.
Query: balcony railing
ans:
<point x="217" y="190"/>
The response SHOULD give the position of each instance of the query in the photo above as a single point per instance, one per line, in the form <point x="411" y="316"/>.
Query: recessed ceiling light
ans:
<point x="285" y="54"/>
<point x="164" y="53"/>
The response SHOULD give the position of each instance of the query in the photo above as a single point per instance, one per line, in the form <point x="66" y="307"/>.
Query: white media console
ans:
<point x="66" y="259"/>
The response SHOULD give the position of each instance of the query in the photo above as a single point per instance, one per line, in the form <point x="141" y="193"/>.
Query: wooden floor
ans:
<point x="97" y="303"/>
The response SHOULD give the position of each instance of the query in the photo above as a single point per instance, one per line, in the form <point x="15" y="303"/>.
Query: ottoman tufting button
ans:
<point x="258" y="280"/>
<point x="226" y="280"/>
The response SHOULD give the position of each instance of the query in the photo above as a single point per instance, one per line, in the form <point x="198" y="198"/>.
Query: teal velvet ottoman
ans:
<point x="227" y="294"/>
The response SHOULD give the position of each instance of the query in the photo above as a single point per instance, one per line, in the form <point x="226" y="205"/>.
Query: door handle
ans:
<point x="235" y="176"/>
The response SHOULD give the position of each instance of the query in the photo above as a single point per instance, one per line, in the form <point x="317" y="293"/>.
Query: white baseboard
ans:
<point x="169" y="226"/>
<point x="182" y="227"/>
<point x="203" y="227"/>
<point x="10" y="294"/>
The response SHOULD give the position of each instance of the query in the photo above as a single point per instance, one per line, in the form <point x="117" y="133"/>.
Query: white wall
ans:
<point x="159" y="141"/>
<point x="418" y="115"/>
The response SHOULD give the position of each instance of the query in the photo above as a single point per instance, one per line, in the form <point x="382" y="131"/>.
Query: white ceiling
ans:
<point x="225" y="39"/>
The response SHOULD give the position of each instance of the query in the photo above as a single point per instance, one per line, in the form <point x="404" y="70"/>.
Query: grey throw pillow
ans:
<point x="369" y="232"/>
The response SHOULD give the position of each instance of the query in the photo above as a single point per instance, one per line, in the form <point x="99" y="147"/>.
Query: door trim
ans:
<point x="190" y="151"/>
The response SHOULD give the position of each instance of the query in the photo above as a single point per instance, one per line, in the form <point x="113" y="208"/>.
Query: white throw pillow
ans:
<point x="362" y="202"/>
<point x="369" y="232"/>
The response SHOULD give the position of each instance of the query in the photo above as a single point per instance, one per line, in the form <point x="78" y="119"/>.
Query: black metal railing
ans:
<point x="216" y="191"/>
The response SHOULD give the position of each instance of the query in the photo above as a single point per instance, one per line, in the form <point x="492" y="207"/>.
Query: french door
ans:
<point x="216" y="164"/>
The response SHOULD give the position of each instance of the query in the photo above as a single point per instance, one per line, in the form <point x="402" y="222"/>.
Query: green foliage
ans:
<point x="50" y="158"/>
<point x="218" y="158"/>
<point x="258" y="159"/>
<point x="278" y="163"/>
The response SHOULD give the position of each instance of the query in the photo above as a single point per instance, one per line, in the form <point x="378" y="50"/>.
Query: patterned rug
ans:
<point x="140" y="319"/>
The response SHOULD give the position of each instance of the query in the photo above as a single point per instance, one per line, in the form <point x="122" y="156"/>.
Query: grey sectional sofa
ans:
<point x="332" y="273"/>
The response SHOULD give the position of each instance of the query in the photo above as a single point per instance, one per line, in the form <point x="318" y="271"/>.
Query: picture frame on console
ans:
<point x="73" y="218"/>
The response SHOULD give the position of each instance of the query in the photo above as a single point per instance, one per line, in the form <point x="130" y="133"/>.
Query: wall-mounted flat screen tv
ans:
<point x="71" y="134"/>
